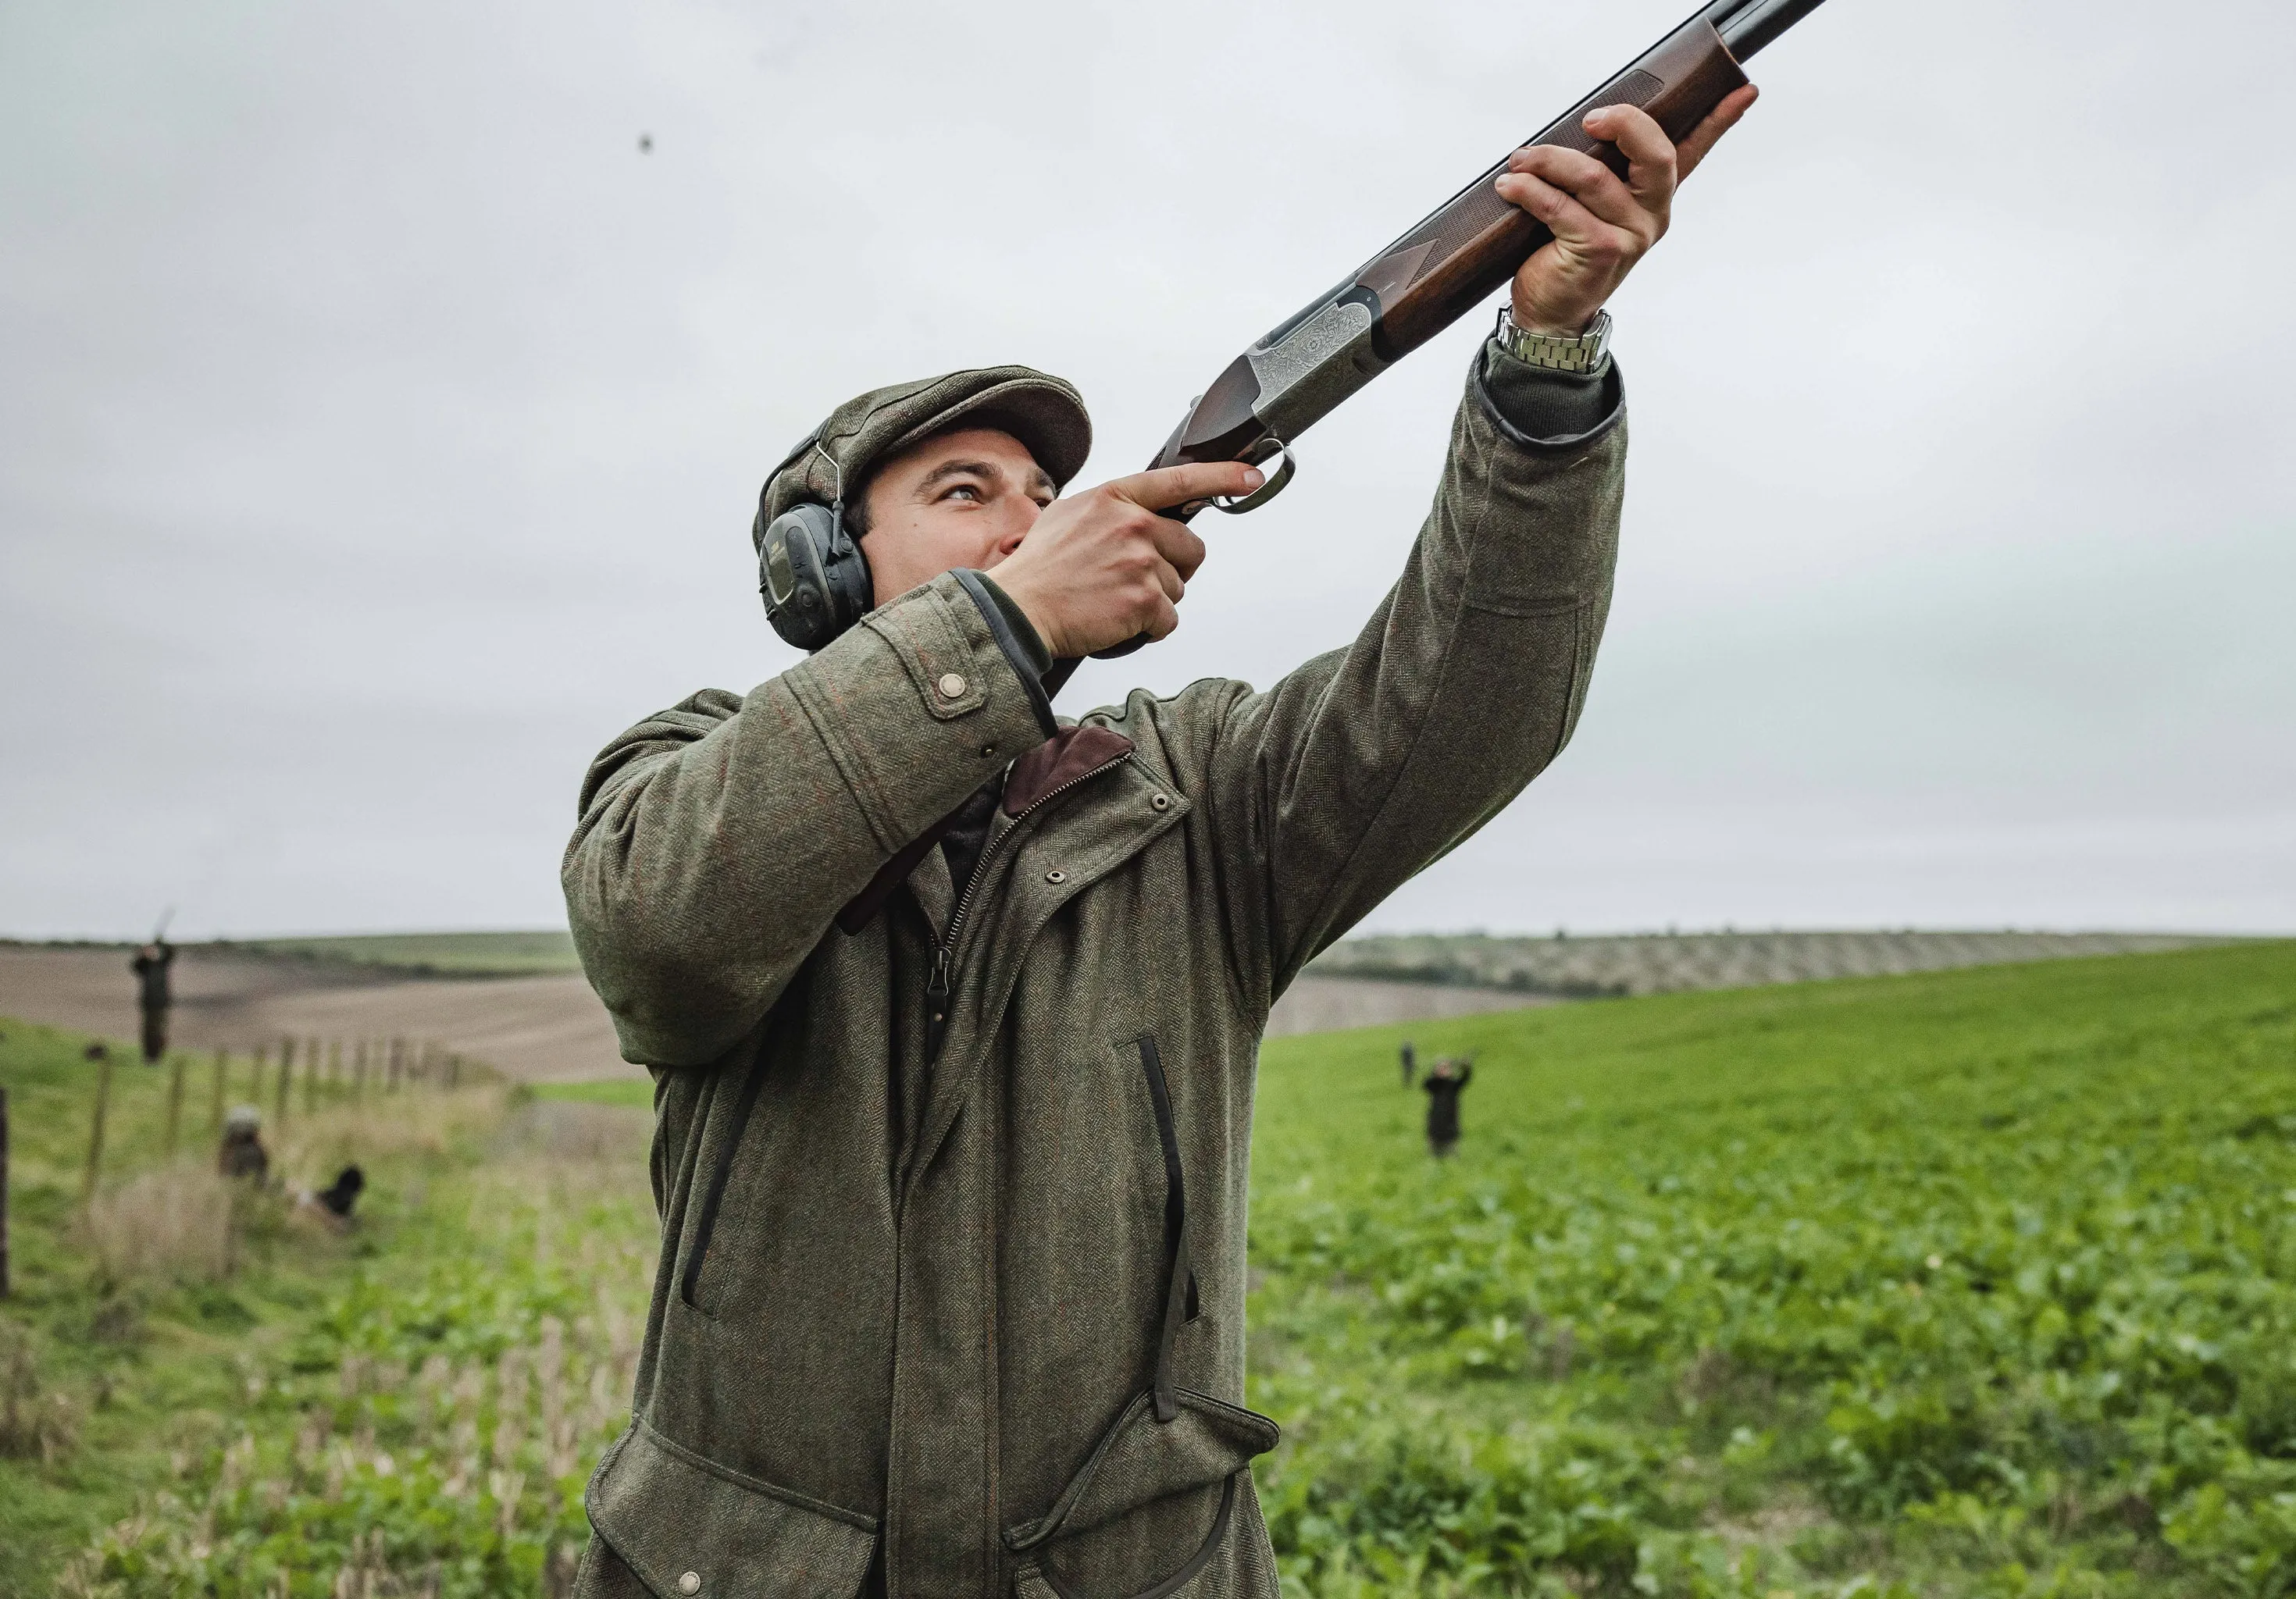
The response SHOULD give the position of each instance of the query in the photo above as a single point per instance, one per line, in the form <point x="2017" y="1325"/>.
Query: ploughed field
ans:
<point x="1967" y="1282"/>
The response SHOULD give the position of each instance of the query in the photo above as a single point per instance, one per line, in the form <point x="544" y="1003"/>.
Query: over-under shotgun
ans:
<point x="1455" y="258"/>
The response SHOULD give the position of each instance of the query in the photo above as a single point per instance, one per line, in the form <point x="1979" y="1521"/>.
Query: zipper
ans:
<point x="940" y="987"/>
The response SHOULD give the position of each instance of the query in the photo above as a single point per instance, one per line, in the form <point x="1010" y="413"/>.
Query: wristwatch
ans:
<point x="1555" y="352"/>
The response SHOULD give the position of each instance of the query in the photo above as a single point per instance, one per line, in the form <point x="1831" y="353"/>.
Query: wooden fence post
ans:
<point x="3" y="1192"/>
<point x="95" y="1133"/>
<point x="215" y="1110"/>
<point x="175" y="1097"/>
<point x="286" y="1081"/>
<point x="397" y="1063"/>
<point x="358" y="1077"/>
<point x="311" y="1053"/>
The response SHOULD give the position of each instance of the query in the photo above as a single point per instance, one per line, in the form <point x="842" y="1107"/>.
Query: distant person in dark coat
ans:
<point x="1410" y="1064"/>
<point x="241" y="1153"/>
<point x="1445" y="1079"/>
<point x="152" y="996"/>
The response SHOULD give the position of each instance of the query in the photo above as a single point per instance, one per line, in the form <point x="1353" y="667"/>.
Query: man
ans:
<point x="951" y="1143"/>
<point x="1445" y="1079"/>
<point x="153" y="998"/>
<point x="242" y="1154"/>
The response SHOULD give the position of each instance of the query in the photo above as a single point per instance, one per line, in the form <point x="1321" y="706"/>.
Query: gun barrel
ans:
<point x="1747" y="25"/>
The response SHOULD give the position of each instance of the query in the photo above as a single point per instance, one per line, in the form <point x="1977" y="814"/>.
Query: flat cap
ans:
<point x="1041" y="411"/>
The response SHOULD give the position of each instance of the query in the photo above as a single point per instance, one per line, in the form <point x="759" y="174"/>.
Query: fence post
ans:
<point x="3" y="1191"/>
<point x="454" y="1072"/>
<point x="311" y="1053"/>
<point x="286" y="1081"/>
<point x="215" y="1112"/>
<point x="175" y="1097"/>
<point x="397" y="1063"/>
<point x="95" y="1133"/>
<point x="358" y="1076"/>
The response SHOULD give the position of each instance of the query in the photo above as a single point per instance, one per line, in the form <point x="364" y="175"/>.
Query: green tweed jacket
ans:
<point x="972" y="1323"/>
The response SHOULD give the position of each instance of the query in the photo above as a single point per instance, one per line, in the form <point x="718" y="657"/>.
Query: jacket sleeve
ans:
<point x="718" y="840"/>
<point x="1364" y="766"/>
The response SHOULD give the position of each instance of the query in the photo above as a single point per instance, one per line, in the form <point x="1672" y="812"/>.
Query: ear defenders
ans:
<point x="813" y="577"/>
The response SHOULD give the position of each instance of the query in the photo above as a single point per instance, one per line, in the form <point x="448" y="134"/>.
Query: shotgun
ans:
<point x="1447" y="265"/>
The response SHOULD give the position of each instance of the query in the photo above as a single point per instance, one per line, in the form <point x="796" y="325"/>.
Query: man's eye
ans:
<point x="965" y="489"/>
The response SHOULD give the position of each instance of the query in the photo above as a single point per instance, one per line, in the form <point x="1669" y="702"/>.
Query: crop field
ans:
<point x="1969" y="1283"/>
<point x="439" y="954"/>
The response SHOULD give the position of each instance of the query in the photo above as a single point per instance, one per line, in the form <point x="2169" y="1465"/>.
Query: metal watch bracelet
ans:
<point x="1554" y="352"/>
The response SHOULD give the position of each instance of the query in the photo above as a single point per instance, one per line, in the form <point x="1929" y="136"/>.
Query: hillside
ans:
<point x="1677" y="962"/>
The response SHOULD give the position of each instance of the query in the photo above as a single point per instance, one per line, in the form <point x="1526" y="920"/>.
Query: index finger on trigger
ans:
<point x="1649" y="154"/>
<point x="1164" y="487"/>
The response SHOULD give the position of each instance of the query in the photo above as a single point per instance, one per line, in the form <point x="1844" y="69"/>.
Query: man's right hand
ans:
<point x="1098" y="568"/>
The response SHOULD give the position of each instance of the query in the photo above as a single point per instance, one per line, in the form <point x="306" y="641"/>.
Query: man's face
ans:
<point x="961" y="498"/>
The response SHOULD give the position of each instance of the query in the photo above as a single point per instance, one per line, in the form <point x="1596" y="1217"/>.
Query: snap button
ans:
<point x="691" y="1583"/>
<point x="988" y="749"/>
<point x="1161" y="802"/>
<point x="951" y="685"/>
<point x="1056" y="876"/>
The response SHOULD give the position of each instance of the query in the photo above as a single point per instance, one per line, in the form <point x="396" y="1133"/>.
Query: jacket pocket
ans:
<point x="1148" y="1489"/>
<point x="691" y="1530"/>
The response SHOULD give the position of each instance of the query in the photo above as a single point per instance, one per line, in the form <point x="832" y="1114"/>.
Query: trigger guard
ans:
<point x="1266" y="491"/>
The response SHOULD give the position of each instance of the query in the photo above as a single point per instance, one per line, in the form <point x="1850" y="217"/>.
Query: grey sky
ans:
<point x="379" y="428"/>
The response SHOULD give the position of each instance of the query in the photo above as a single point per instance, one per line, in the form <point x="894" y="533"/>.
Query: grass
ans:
<point x="411" y="1404"/>
<point x="533" y="954"/>
<point x="1978" y="1282"/>
<point x="1972" y="1283"/>
<point x="616" y="1090"/>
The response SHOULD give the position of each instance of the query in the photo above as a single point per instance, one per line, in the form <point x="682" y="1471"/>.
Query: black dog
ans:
<point x="344" y="1194"/>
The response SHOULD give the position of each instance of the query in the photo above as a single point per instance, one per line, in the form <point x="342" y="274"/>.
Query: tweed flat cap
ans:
<point x="1039" y="410"/>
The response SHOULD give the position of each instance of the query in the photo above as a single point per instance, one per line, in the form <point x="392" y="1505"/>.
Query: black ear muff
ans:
<point x="813" y="576"/>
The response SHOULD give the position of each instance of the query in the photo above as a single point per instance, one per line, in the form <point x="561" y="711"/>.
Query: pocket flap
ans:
<point x="1140" y="1460"/>
<point x="691" y="1527"/>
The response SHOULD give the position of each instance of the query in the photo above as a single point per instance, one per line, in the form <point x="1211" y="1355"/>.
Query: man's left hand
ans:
<point x="1603" y="224"/>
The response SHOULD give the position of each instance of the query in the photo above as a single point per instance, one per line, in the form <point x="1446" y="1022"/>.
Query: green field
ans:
<point x="1978" y="1282"/>
<point x="439" y="954"/>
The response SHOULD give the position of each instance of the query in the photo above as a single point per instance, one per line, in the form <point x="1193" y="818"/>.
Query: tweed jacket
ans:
<point x="951" y="1293"/>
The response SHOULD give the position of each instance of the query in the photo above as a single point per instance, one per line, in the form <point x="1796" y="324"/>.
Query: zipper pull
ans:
<point x="936" y="990"/>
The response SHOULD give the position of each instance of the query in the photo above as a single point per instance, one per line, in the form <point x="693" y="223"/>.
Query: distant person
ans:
<point x="1445" y="1079"/>
<point x="1410" y="1064"/>
<point x="241" y="1153"/>
<point x="152" y="996"/>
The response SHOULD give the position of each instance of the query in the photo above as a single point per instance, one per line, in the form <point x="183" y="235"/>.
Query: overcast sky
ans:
<point x="379" y="427"/>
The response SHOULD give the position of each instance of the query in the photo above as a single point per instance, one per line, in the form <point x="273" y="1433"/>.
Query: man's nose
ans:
<point x="1017" y="527"/>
